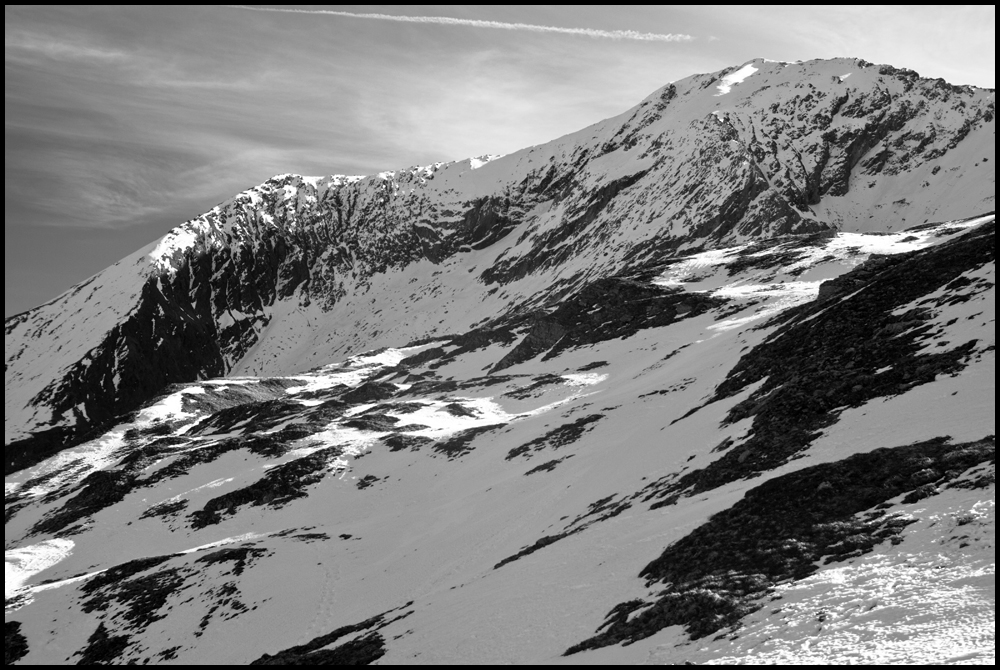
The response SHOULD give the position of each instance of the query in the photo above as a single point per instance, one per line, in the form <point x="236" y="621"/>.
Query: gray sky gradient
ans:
<point x="120" y="123"/>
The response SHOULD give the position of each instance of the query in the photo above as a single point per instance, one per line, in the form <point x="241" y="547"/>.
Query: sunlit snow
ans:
<point x="726" y="83"/>
<point x="797" y="280"/>
<point x="584" y="379"/>
<point x="352" y="372"/>
<point x="929" y="601"/>
<point x="20" y="564"/>
<point x="479" y="161"/>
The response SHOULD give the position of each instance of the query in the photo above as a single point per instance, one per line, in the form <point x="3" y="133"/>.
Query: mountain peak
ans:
<point x="714" y="377"/>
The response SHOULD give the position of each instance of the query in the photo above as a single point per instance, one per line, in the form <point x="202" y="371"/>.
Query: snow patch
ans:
<point x="172" y="246"/>
<point x="726" y="83"/>
<point x="777" y="297"/>
<point x="351" y="373"/>
<point x="170" y="407"/>
<point x="21" y="564"/>
<point x="312" y="181"/>
<point x="801" y="272"/>
<point x="246" y="537"/>
<point x="479" y="161"/>
<point x="584" y="379"/>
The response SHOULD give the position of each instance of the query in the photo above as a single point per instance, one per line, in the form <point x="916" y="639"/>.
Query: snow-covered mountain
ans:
<point x="299" y="272"/>
<point x="712" y="380"/>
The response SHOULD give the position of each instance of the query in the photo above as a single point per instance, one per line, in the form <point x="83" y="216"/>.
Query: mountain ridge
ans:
<point x="298" y="250"/>
<point x="712" y="381"/>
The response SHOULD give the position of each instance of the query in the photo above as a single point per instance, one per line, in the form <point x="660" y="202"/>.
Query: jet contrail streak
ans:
<point x="474" y="23"/>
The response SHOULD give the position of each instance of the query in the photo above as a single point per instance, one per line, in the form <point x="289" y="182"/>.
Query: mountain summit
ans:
<point x="732" y="346"/>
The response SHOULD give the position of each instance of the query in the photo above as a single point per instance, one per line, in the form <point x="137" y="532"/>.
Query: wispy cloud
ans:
<point x="22" y="42"/>
<point x="496" y="25"/>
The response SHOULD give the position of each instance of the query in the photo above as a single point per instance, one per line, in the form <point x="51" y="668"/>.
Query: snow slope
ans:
<point x="425" y="504"/>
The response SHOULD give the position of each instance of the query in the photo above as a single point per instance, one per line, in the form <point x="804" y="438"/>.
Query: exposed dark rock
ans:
<point x="370" y="392"/>
<point x="602" y="510"/>
<point x="98" y="490"/>
<point x="141" y="597"/>
<point x="551" y="248"/>
<point x="398" y="442"/>
<point x="395" y="407"/>
<point x="605" y="309"/>
<point x="458" y="409"/>
<point x="422" y="357"/>
<point x="21" y="454"/>
<point x="240" y="557"/>
<point x="716" y="575"/>
<point x="261" y="415"/>
<point x="122" y="572"/>
<point x="783" y="251"/>
<point x="459" y="443"/>
<point x="362" y="650"/>
<point x="540" y="543"/>
<point x="102" y="648"/>
<point x="15" y="645"/>
<point x="168" y="654"/>
<point x="538" y="383"/>
<point x="557" y="437"/>
<point x="379" y="423"/>
<point x="547" y="466"/>
<point x="834" y="353"/>
<point x="165" y="509"/>
<point x="278" y="487"/>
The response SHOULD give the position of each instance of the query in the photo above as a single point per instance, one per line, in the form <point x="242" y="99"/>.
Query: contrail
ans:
<point x="497" y="25"/>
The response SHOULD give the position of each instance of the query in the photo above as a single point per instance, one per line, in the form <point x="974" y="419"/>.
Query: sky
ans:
<point x="123" y="122"/>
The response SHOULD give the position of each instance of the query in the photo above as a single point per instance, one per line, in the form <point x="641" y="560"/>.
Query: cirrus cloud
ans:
<point x="477" y="23"/>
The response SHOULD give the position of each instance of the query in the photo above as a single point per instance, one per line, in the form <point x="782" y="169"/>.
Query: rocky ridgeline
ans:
<point x="687" y="168"/>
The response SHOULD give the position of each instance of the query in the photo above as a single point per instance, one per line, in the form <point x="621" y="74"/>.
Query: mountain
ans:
<point x="299" y="272"/>
<point x="712" y="380"/>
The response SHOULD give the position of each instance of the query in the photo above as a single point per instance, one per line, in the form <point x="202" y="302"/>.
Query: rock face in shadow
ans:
<point x="604" y="310"/>
<point x="15" y="645"/>
<point x="362" y="650"/>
